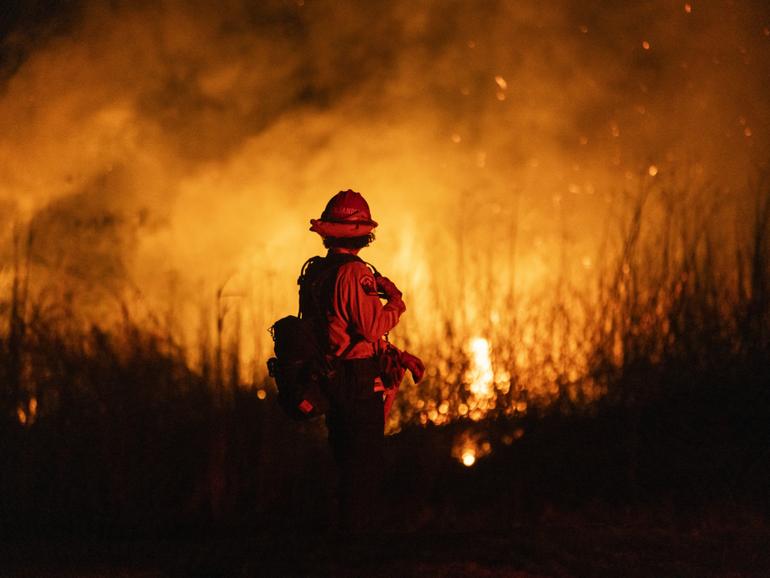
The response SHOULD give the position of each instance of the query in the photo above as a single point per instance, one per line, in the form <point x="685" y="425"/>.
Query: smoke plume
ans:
<point x="161" y="152"/>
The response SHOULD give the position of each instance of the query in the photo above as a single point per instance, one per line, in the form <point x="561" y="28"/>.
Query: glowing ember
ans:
<point x="26" y="415"/>
<point x="501" y="82"/>
<point x="688" y="8"/>
<point x="468" y="448"/>
<point x="652" y="171"/>
<point x="645" y="45"/>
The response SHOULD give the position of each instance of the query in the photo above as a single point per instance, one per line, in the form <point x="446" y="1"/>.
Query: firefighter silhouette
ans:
<point x="353" y="321"/>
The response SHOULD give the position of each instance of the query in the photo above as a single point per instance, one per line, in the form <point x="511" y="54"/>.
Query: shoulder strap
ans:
<point x="316" y="290"/>
<point x="311" y="264"/>
<point x="373" y="268"/>
<point x="316" y="282"/>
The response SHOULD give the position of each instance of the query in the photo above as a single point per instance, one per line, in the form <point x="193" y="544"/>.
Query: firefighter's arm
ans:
<point x="357" y="295"/>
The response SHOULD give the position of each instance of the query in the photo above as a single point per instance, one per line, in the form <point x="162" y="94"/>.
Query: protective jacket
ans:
<point x="358" y="317"/>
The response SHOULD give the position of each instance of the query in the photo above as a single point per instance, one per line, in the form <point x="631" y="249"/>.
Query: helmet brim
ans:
<point x="341" y="230"/>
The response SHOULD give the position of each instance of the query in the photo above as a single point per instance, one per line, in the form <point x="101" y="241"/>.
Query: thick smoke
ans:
<point x="161" y="151"/>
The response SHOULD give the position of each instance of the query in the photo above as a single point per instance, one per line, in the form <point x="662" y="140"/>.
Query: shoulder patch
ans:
<point x="369" y="285"/>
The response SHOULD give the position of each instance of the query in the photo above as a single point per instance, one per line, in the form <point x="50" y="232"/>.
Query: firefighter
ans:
<point x="354" y="321"/>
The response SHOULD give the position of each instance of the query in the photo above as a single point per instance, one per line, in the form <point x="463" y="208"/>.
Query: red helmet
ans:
<point x="346" y="215"/>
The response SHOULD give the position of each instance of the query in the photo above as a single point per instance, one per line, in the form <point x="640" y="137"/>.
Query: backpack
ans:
<point x="302" y="368"/>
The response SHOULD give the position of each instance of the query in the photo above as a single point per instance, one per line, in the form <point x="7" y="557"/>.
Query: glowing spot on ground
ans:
<point x="468" y="448"/>
<point x="652" y="171"/>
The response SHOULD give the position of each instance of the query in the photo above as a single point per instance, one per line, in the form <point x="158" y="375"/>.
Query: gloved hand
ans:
<point x="387" y="287"/>
<point x="414" y="364"/>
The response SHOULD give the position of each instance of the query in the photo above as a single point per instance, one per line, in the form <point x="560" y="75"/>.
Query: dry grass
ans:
<point x="113" y="429"/>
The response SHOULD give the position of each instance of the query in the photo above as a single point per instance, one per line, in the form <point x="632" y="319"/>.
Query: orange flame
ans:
<point x="470" y="447"/>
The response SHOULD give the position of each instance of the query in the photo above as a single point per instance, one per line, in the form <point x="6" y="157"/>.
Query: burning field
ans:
<point x="574" y="198"/>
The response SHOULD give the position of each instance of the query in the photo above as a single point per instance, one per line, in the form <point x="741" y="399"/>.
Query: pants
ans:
<point x="356" y="425"/>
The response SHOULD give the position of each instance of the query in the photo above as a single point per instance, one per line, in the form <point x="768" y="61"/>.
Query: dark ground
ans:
<point x="683" y="493"/>
<point x="582" y="545"/>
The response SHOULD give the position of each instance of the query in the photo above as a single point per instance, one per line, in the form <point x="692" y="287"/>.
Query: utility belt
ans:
<point x="356" y="378"/>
